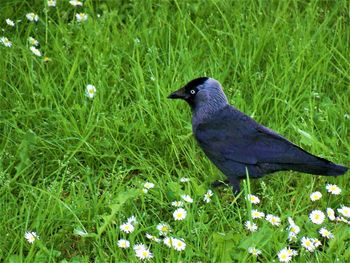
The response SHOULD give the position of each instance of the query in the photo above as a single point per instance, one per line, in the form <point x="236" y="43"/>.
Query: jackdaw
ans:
<point x="237" y="144"/>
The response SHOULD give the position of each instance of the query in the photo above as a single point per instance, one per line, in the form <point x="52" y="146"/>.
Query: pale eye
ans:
<point x="192" y="91"/>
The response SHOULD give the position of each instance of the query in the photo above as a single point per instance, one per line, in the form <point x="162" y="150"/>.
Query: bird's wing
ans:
<point x="232" y="135"/>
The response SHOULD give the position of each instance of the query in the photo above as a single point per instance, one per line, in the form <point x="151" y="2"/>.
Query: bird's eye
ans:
<point x="192" y="91"/>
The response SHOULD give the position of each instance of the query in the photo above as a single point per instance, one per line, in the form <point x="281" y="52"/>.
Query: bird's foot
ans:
<point x="219" y="183"/>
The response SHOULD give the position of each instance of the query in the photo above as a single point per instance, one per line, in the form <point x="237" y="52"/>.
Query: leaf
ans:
<point x="307" y="138"/>
<point x="14" y="259"/>
<point x="224" y="243"/>
<point x="121" y="199"/>
<point x="24" y="151"/>
<point x="261" y="237"/>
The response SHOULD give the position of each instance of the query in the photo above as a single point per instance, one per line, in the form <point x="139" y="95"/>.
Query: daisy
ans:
<point x="46" y="59"/>
<point x="308" y="244"/>
<point x="257" y="214"/>
<point x="207" y="196"/>
<point x="123" y="243"/>
<point x="317" y="217"/>
<point x="138" y="247"/>
<point x="90" y="91"/>
<point x="31" y="236"/>
<point x="254" y="251"/>
<point x="177" y="203"/>
<point x="148" y="185"/>
<point x="325" y="233"/>
<point x="345" y="211"/>
<point x="316" y="242"/>
<point x="187" y="198"/>
<point x="253" y="199"/>
<point x="292" y="237"/>
<point x="127" y="228"/>
<point x="10" y="22"/>
<point x="144" y="254"/>
<point x="163" y="229"/>
<point x="274" y="220"/>
<point x="51" y="3"/>
<point x="333" y="189"/>
<point x="132" y="220"/>
<point x="292" y="252"/>
<point x="178" y="244"/>
<point x="293" y="228"/>
<point x="168" y="241"/>
<point x="33" y="41"/>
<point x="75" y="3"/>
<point x="184" y="179"/>
<point x="342" y="219"/>
<point x="35" y="51"/>
<point x="80" y="232"/>
<point x="330" y="214"/>
<point x="153" y="238"/>
<point x="32" y="17"/>
<point x="284" y="255"/>
<point x="250" y="226"/>
<point x="5" y="41"/>
<point x="315" y="196"/>
<point x="180" y="214"/>
<point x="81" y="17"/>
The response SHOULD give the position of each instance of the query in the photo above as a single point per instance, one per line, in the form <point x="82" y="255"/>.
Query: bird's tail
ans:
<point x="320" y="167"/>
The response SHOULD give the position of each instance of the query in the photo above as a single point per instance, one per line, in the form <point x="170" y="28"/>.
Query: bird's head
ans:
<point x="201" y="92"/>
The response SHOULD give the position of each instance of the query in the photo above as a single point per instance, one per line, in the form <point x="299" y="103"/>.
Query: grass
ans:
<point x="72" y="164"/>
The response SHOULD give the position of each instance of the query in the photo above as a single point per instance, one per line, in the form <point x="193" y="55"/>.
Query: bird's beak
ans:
<point x="179" y="94"/>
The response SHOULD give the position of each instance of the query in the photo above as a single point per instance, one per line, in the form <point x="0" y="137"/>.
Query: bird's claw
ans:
<point x="219" y="183"/>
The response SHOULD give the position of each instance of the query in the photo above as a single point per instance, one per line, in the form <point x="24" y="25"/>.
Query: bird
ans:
<point x="238" y="145"/>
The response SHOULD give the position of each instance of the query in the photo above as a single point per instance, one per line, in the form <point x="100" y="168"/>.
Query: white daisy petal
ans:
<point x="127" y="228"/>
<point x="315" y="196"/>
<point x="81" y="17"/>
<point x="9" y="22"/>
<point x="187" y="198"/>
<point x="90" y="91"/>
<point x="31" y="236"/>
<point x="123" y="243"/>
<point x="163" y="229"/>
<point x="179" y="214"/>
<point x="274" y="220"/>
<point x="333" y="189"/>
<point x="250" y="226"/>
<point x="32" y="17"/>
<point x="344" y="210"/>
<point x="317" y="217"/>
<point x="5" y="41"/>
<point x="254" y="251"/>
<point x="325" y="233"/>
<point x="253" y="199"/>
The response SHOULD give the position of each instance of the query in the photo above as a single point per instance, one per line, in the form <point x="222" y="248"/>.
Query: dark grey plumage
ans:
<point x="235" y="142"/>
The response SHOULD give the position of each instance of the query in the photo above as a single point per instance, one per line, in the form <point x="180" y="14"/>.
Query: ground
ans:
<point x="74" y="161"/>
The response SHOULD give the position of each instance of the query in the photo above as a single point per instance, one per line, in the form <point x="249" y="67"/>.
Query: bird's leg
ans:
<point x="219" y="183"/>
<point x="235" y="183"/>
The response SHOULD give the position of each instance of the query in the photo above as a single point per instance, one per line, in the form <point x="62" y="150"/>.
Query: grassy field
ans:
<point x="73" y="168"/>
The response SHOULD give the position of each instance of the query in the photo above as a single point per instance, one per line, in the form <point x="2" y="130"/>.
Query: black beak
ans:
<point x="179" y="94"/>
